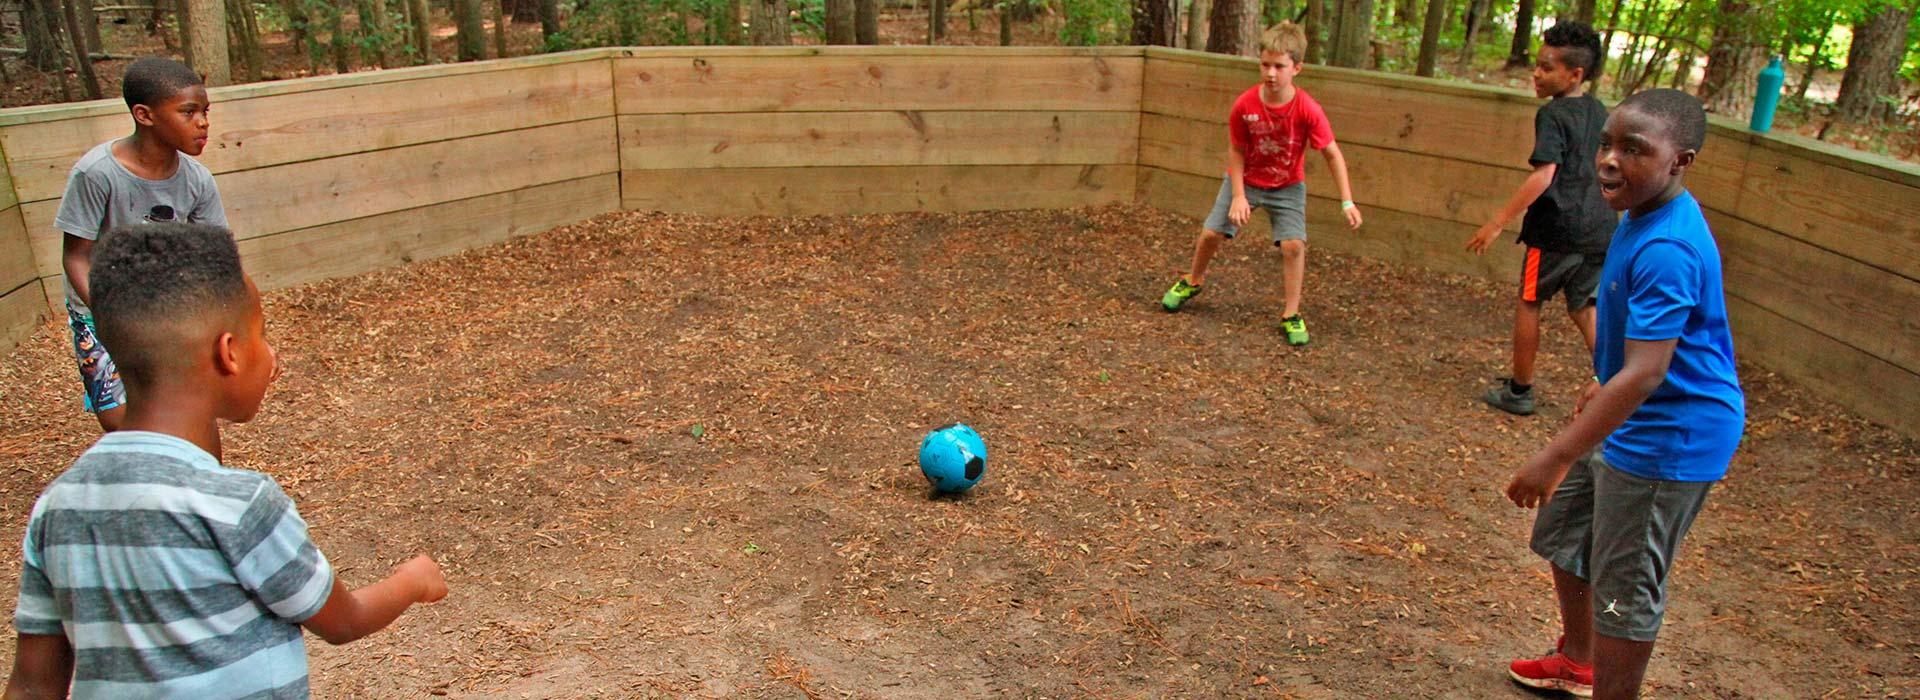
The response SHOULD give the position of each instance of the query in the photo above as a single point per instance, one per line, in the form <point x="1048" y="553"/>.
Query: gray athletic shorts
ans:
<point x="1544" y="273"/>
<point x="1619" y="532"/>
<point x="1286" y="210"/>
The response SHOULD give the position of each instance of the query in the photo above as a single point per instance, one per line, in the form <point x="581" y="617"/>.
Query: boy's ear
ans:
<point x="143" y="115"/>
<point x="1684" y="160"/>
<point x="226" y="359"/>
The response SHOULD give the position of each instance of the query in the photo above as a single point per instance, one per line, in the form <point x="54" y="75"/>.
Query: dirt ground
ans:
<point x="666" y="456"/>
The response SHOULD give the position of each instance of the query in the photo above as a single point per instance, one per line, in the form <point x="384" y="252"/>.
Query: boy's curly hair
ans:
<point x="1287" y="38"/>
<point x="1578" y="44"/>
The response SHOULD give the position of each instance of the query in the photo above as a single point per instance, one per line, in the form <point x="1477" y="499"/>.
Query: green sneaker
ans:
<point x="1296" y="329"/>
<point x="1178" y="295"/>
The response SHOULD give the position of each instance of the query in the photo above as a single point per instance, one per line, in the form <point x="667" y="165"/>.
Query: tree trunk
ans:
<point x="500" y="28"/>
<point x="939" y="18"/>
<point x="1006" y="23"/>
<point x="1584" y="10"/>
<point x="840" y="22"/>
<point x="1403" y="11"/>
<point x="866" y="21"/>
<point x="38" y="19"/>
<point x="525" y="11"/>
<point x="771" y="24"/>
<point x="1155" y="23"/>
<point x="419" y="28"/>
<point x="469" y="30"/>
<point x="1430" y="37"/>
<point x="244" y="29"/>
<point x="1197" y="24"/>
<point x="1613" y="23"/>
<point x="207" y="22"/>
<point x="1728" y="85"/>
<point x="1873" y="62"/>
<point x="78" y="39"/>
<point x="1234" y="28"/>
<point x="1521" y="53"/>
<point x="1315" y="27"/>
<point x="1476" y="20"/>
<point x="373" y="32"/>
<point x="90" y="25"/>
<point x="1352" y="34"/>
<point x="549" y="11"/>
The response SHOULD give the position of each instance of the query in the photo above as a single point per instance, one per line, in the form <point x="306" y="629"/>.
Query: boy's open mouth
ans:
<point x="1608" y="187"/>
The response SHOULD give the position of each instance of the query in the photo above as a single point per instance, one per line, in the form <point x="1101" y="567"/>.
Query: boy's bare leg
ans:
<point x="1204" y="248"/>
<point x="1526" y="339"/>
<point x="1293" y="275"/>
<point x="1619" y="665"/>
<point x="111" y="418"/>
<point x="1576" y="616"/>
<point x="1583" y="319"/>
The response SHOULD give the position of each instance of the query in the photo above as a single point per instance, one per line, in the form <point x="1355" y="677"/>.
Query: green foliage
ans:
<point x="1096" y="22"/>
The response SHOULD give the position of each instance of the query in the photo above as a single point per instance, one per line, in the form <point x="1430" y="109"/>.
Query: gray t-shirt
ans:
<point x="102" y="194"/>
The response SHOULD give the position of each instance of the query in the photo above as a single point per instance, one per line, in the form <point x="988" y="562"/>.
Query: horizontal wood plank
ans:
<point x="1458" y="191"/>
<point x="396" y="238"/>
<point x="301" y="126"/>
<point x="21" y="311"/>
<point x="1871" y="220"/>
<point x="690" y="84"/>
<point x="1867" y="385"/>
<point x="818" y="139"/>
<point x="1481" y="129"/>
<point x="16" y="253"/>
<point x="1869" y="309"/>
<point x="266" y="201"/>
<point x="874" y="190"/>
<point x="1388" y="234"/>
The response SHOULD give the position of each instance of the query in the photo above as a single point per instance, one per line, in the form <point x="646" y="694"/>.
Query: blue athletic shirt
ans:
<point x="1662" y="281"/>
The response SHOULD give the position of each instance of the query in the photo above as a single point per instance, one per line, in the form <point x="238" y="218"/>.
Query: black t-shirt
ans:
<point x="1570" y="217"/>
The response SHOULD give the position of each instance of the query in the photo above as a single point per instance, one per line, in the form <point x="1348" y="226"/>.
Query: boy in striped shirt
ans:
<point x="150" y="570"/>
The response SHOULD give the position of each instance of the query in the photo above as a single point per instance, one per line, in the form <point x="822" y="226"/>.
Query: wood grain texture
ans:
<point x="866" y="82"/>
<point x="819" y="139"/>
<point x="874" y="189"/>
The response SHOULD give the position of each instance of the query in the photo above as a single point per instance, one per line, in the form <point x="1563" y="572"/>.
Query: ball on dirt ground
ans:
<point x="954" y="458"/>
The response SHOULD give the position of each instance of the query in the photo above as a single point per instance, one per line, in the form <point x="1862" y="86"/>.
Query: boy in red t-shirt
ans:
<point x="1270" y="128"/>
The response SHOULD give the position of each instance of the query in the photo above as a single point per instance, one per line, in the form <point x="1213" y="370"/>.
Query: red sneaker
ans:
<point x="1553" y="672"/>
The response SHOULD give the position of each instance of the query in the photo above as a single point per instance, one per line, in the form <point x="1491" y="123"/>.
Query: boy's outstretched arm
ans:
<point x="1642" y="371"/>
<point x="1530" y="190"/>
<point x="350" y="615"/>
<point x="42" y="668"/>
<point x="1337" y="162"/>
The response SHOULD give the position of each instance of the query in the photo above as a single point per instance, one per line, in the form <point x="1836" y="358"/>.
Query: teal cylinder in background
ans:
<point x="1767" y="97"/>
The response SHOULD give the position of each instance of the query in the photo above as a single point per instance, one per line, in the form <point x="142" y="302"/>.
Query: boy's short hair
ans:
<point x="1287" y="38"/>
<point x="152" y="79"/>
<point x="1578" y="44"/>
<point x="149" y="277"/>
<point x="1683" y="114"/>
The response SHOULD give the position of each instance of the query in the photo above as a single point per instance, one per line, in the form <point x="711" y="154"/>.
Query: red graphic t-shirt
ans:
<point x="1275" y="139"/>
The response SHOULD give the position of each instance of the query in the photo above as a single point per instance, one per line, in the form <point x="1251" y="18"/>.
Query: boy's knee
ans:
<point x="1293" y="249"/>
<point x="1208" y="235"/>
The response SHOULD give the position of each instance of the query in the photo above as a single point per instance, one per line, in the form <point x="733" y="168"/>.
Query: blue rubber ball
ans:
<point x="953" y="458"/>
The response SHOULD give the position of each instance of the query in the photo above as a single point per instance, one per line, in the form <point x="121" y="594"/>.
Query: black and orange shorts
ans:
<point x="1545" y="273"/>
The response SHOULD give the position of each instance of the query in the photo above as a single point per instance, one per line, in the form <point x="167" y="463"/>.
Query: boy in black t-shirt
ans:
<point x="1568" y="224"/>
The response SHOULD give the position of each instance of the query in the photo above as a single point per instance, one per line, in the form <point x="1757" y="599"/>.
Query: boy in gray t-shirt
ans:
<point x="150" y="176"/>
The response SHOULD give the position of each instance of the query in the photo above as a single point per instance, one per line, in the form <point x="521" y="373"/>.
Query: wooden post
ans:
<point x="499" y="28"/>
<point x="207" y="53"/>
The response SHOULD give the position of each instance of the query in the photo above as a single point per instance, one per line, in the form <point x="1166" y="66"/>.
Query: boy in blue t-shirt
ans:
<point x="1666" y="403"/>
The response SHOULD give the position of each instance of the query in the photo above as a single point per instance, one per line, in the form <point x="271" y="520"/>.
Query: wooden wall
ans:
<point x="796" y="131"/>
<point x="339" y="175"/>
<point x="1821" y="246"/>
<point x="21" y="295"/>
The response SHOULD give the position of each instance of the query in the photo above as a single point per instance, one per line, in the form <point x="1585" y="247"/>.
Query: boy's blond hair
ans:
<point x="1287" y="38"/>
